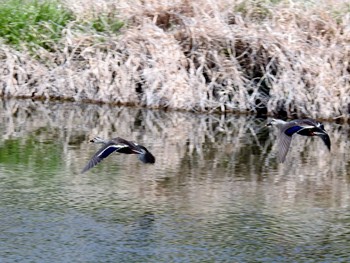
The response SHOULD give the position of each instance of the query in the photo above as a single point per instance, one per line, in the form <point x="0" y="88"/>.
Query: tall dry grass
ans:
<point x="289" y="57"/>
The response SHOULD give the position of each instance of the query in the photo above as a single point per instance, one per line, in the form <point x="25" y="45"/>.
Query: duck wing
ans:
<point x="129" y="147"/>
<point x="145" y="156"/>
<point x="301" y="127"/>
<point x="315" y="128"/>
<point x="104" y="152"/>
<point x="284" y="141"/>
<point x="133" y="148"/>
<point x="321" y="132"/>
<point x="325" y="138"/>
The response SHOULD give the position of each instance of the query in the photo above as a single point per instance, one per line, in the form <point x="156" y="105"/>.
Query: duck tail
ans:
<point x="147" y="157"/>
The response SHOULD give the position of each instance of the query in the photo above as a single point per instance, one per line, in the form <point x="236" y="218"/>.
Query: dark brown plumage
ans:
<point x="304" y="127"/>
<point x="121" y="146"/>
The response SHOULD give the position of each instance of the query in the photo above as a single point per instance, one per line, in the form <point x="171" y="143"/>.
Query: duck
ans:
<point x="119" y="145"/>
<point x="305" y="127"/>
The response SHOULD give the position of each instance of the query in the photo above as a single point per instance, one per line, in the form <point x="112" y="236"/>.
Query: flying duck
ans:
<point x="121" y="146"/>
<point x="305" y="127"/>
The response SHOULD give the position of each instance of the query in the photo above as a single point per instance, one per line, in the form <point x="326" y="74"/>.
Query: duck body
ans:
<point x="304" y="127"/>
<point x="119" y="145"/>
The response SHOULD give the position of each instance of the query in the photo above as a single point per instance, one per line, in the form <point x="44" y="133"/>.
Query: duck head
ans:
<point x="275" y="122"/>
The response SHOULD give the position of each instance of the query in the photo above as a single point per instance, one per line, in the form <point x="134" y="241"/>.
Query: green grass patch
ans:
<point x="257" y="9"/>
<point x="105" y="23"/>
<point x="32" y="23"/>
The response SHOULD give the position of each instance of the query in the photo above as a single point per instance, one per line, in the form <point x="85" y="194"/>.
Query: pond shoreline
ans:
<point x="259" y="114"/>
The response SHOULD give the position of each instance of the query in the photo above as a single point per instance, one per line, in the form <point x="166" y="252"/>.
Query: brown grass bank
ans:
<point x="289" y="57"/>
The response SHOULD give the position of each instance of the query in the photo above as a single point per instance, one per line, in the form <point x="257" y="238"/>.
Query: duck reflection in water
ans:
<point x="305" y="127"/>
<point x="121" y="146"/>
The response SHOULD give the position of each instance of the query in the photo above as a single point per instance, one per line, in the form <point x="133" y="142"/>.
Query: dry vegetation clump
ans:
<point x="279" y="57"/>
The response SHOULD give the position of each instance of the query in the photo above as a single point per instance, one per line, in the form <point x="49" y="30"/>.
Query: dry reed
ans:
<point x="245" y="56"/>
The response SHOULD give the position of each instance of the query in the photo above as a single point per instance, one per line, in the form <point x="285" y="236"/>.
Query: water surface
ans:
<point x="215" y="194"/>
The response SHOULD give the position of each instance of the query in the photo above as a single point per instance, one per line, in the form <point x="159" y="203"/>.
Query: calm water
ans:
<point x="215" y="194"/>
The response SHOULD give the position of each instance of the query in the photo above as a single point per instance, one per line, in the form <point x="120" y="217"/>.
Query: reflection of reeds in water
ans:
<point x="204" y="155"/>
<point x="201" y="55"/>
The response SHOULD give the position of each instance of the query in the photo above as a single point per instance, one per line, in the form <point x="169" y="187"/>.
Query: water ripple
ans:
<point x="215" y="194"/>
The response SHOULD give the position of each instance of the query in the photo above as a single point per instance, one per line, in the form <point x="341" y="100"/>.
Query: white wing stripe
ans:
<point x="115" y="146"/>
<point x="307" y="127"/>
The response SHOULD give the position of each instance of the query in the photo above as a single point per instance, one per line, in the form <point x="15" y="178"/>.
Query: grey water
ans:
<point x="215" y="194"/>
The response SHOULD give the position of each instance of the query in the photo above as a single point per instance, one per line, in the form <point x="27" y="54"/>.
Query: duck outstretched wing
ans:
<point x="297" y="126"/>
<point x="104" y="152"/>
<point x="283" y="146"/>
<point x="325" y="138"/>
<point x="145" y="156"/>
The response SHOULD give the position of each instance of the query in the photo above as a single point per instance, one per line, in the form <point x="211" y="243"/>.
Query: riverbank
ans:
<point x="272" y="57"/>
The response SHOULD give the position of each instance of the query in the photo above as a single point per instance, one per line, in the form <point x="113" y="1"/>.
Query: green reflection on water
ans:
<point x="215" y="194"/>
<point x="29" y="152"/>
